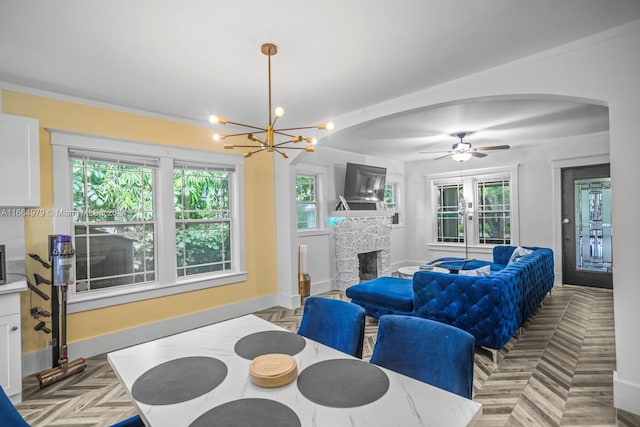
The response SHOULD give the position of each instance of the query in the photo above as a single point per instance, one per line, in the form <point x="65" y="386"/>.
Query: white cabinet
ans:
<point x="19" y="161"/>
<point x="11" y="340"/>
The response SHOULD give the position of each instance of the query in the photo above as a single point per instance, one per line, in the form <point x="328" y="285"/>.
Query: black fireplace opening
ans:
<point x="368" y="265"/>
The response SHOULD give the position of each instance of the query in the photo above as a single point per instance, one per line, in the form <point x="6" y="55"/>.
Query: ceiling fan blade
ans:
<point x="434" y="152"/>
<point x="442" y="157"/>
<point x="476" y="154"/>
<point x="493" y="147"/>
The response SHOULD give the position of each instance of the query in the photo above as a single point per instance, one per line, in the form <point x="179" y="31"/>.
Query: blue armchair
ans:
<point x="429" y="351"/>
<point x="9" y="415"/>
<point x="336" y="323"/>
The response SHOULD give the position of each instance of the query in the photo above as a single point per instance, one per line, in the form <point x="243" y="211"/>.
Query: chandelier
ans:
<point x="264" y="139"/>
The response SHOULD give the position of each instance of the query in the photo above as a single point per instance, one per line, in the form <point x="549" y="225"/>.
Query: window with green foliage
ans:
<point x="203" y="219"/>
<point x="494" y="211"/>
<point x="114" y="222"/>
<point x="449" y="217"/>
<point x="477" y="208"/>
<point x="390" y="197"/>
<point x="307" y="201"/>
<point x="147" y="220"/>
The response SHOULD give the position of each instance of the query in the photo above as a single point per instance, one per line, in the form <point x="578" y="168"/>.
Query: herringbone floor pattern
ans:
<point x="557" y="372"/>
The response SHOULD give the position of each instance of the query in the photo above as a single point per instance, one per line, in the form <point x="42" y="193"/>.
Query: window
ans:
<point x="113" y="220"/>
<point x="390" y="197"/>
<point x="147" y="220"/>
<point x="307" y="201"/>
<point x="203" y="219"/>
<point x="494" y="211"/>
<point x="477" y="208"/>
<point x="449" y="213"/>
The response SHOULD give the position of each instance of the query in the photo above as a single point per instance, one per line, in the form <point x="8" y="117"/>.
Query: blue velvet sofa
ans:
<point x="491" y="307"/>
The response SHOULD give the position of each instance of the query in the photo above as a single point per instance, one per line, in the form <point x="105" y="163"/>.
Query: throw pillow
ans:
<point x="518" y="253"/>
<point x="482" y="271"/>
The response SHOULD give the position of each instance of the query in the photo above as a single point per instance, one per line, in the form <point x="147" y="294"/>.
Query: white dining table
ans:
<point x="406" y="402"/>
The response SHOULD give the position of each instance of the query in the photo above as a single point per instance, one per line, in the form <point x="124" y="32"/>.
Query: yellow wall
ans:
<point x="260" y="246"/>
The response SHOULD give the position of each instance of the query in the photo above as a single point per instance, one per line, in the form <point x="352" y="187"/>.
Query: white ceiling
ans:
<point x="190" y="59"/>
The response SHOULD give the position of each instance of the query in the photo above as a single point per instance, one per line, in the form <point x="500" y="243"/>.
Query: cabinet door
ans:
<point x="10" y="354"/>
<point x="19" y="161"/>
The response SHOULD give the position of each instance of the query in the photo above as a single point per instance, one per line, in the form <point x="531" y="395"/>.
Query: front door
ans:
<point x="587" y="258"/>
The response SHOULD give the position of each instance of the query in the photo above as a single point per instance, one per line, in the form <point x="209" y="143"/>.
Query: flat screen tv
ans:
<point x="364" y="183"/>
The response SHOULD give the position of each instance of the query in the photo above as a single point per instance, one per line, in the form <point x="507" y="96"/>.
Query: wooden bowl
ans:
<point x="273" y="370"/>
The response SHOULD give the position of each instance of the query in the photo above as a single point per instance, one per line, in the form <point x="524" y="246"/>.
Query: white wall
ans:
<point x="605" y="68"/>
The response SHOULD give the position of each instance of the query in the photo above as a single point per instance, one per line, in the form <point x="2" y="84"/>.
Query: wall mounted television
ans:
<point x="364" y="183"/>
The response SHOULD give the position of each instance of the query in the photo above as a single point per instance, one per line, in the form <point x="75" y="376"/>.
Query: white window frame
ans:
<point x="469" y="178"/>
<point x="167" y="282"/>
<point x="397" y="180"/>
<point x="316" y="201"/>
<point x="321" y="173"/>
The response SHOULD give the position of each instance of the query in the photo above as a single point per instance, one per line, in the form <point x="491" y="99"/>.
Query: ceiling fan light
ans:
<point x="461" y="157"/>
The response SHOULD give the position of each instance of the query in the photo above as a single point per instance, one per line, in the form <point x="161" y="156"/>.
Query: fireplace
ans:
<point x="357" y="235"/>
<point x="368" y="265"/>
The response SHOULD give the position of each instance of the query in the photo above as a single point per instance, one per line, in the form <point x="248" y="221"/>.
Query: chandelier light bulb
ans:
<point x="216" y="137"/>
<point x="279" y="111"/>
<point x="330" y="126"/>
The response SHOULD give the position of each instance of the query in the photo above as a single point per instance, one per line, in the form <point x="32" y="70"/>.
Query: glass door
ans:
<point x="587" y="232"/>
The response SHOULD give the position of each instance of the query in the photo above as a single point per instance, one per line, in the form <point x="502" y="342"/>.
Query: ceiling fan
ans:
<point x="461" y="151"/>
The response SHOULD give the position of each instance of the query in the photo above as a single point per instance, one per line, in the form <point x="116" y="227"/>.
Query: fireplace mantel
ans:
<point x="337" y="216"/>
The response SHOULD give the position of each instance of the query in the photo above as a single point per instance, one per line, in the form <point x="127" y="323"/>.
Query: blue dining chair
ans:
<point x="335" y="323"/>
<point x="9" y="415"/>
<point x="134" y="421"/>
<point x="429" y="351"/>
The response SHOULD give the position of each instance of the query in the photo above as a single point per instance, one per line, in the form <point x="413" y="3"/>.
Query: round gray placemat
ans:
<point x="343" y="383"/>
<point x="267" y="342"/>
<point x="179" y="380"/>
<point x="248" y="413"/>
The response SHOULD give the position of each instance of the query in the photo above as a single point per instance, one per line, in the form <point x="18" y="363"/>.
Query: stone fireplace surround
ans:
<point x="360" y="233"/>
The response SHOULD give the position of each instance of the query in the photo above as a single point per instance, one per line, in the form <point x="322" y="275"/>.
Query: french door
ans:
<point x="587" y="232"/>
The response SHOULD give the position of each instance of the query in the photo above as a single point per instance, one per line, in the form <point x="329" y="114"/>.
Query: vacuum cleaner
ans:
<point x="62" y="262"/>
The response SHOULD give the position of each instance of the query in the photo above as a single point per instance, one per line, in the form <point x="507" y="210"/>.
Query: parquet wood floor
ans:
<point x="557" y="372"/>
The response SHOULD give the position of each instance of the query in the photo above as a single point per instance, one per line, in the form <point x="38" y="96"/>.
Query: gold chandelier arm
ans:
<point x="305" y="148"/>
<point x="283" y="143"/>
<point x="283" y="154"/>
<point x="246" y="126"/>
<point x="245" y="146"/>
<point x="241" y="134"/>
<point x="284" y="134"/>
<point x="251" y="153"/>
<point x="298" y="128"/>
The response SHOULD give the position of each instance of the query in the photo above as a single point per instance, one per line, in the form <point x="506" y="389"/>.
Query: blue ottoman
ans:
<point x="384" y="295"/>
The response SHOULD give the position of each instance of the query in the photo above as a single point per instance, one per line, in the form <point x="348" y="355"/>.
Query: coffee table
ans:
<point x="409" y="270"/>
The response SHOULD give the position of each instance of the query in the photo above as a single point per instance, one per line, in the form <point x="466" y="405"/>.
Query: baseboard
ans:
<point x="293" y="301"/>
<point x="40" y="360"/>
<point x="626" y="395"/>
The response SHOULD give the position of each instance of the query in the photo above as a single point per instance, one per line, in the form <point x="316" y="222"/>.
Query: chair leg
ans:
<point x="494" y="354"/>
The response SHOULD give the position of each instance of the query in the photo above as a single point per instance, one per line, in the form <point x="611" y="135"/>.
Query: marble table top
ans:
<point x="407" y="402"/>
<point x="408" y="271"/>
